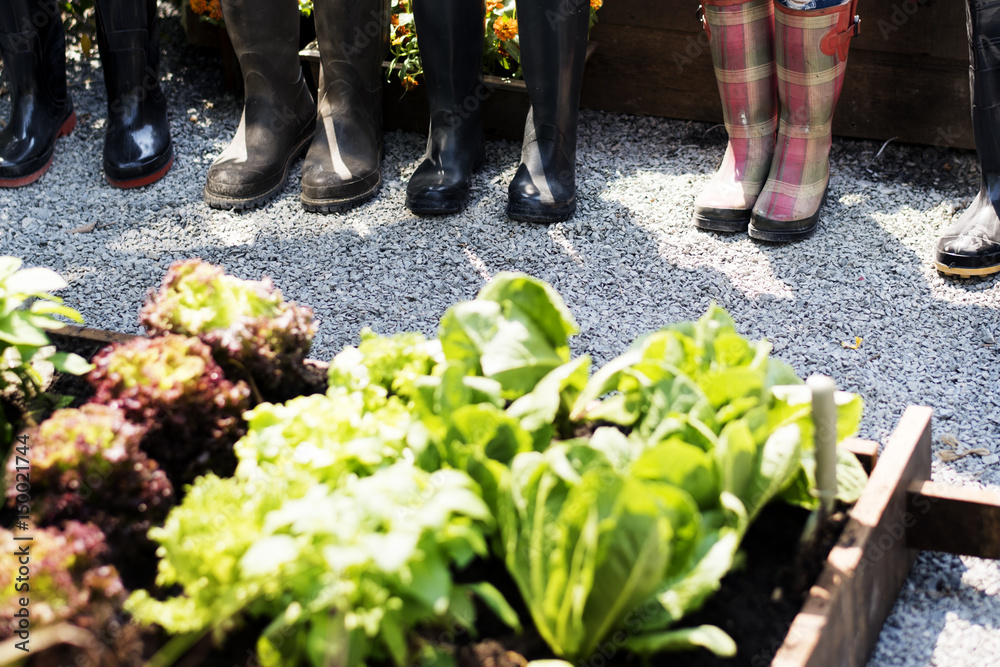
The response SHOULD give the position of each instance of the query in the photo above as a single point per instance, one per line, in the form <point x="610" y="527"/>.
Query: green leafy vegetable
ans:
<point x="27" y="311"/>
<point x="171" y="386"/>
<point x="253" y="332"/>
<point x="627" y="490"/>
<point x="86" y="466"/>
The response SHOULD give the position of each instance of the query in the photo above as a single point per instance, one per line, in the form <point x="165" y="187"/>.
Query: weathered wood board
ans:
<point x="844" y="613"/>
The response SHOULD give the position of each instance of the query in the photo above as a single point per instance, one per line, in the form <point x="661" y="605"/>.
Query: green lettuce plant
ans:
<point x="27" y="311"/>
<point x="616" y="502"/>
<point x="343" y="572"/>
<point x="255" y="335"/>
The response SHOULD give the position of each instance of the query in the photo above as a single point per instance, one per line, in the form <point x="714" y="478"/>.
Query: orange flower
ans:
<point x="409" y="83"/>
<point x="494" y="5"/>
<point x="596" y="4"/>
<point x="505" y="28"/>
<point x="210" y="7"/>
<point x="394" y="19"/>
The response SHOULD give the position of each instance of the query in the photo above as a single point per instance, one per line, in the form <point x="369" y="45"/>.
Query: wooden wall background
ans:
<point x="907" y="75"/>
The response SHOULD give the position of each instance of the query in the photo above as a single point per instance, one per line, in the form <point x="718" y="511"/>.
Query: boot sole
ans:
<point x="713" y="224"/>
<point x="335" y="205"/>
<point x="421" y="207"/>
<point x="540" y="217"/>
<point x="966" y="273"/>
<point x="239" y="204"/>
<point x="801" y="229"/>
<point x="782" y="236"/>
<point x="142" y="181"/>
<point x="64" y="131"/>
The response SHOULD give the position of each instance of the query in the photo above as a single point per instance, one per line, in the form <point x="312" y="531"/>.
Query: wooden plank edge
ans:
<point x="865" y="450"/>
<point x="844" y="613"/>
<point x="955" y="520"/>
<point x="93" y="335"/>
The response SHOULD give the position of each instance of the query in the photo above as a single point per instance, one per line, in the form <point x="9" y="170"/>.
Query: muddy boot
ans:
<point x="137" y="147"/>
<point x="971" y="246"/>
<point x="741" y="35"/>
<point x="451" y="49"/>
<point x="33" y="48"/>
<point x="343" y="167"/>
<point x="279" y="116"/>
<point x="811" y="51"/>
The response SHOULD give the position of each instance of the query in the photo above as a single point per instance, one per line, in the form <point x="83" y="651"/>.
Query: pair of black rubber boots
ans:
<point x="553" y="42"/>
<point x="137" y="146"/>
<point x="343" y="132"/>
<point x="971" y="246"/>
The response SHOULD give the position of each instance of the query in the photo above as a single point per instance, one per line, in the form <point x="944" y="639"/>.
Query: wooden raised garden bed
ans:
<point x="899" y="513"/>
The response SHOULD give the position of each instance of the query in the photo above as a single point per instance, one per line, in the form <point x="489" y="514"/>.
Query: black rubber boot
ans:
<point x="278" y="114"/>
<point x="553" y="53"/>
<point x="971" y="246"/>
<point x="343" y="167"/>
<point x="137" y="147"/>
<point x="451" y="48"/>
<point x="33" y="48"/>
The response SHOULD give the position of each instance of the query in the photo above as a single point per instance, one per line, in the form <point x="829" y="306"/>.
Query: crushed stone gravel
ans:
<point x="628" y="262"/>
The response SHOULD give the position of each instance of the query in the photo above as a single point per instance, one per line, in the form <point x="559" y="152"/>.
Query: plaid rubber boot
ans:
<point x="811" y="49"/>
<point x="741" y="35"/>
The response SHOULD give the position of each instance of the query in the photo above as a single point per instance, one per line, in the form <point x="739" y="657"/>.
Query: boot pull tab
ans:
<point x="848" y="25"/>
<point x="700" y="15"/>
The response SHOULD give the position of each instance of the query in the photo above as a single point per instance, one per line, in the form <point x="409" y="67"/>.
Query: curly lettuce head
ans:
<point x="253" y="332"/>
<point x="172" y="386"/>
<point x="68" y="581"/>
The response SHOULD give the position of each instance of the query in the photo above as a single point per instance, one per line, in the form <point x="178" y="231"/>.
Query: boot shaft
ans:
<point x="353" y="34"/>
<point x="553" y="53"/>
<point x="983" y="20"/>
<point x="451" y="34"/>
<point x="741" y="39"/>
<point x="353" y="40"/>
<point x="811" y="58"/>
<point x="129" y="44"/>
<point x="265" y="38"/>
<point x="33" y="49"/>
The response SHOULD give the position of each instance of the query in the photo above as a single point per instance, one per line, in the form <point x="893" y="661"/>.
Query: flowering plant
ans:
<point x="211" y="10"/>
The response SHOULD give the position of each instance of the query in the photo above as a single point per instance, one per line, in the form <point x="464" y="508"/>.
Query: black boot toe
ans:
<point x="971" y="246"/>
<point x="324" y="191"/>
<point x="550" y="201"/>
<point x="434" y="190"/>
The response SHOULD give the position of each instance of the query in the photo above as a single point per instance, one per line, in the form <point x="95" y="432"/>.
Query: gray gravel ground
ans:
<point x="630" y="261"/>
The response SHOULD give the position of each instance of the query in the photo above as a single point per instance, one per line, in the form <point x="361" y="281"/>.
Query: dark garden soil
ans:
<point x="74" y="386"/>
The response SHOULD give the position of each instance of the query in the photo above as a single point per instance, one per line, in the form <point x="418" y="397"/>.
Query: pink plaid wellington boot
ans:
<point x="811" y="49"/>
<point x="741" y="34"/>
